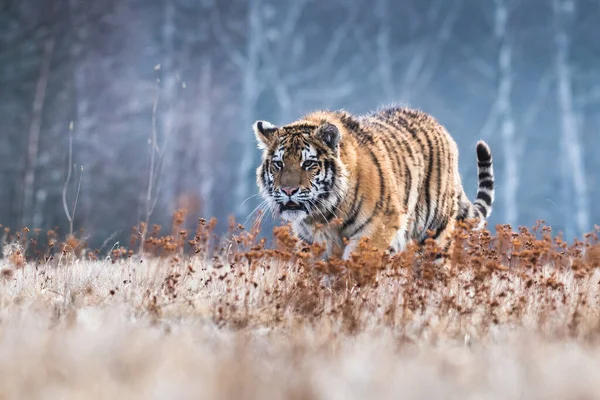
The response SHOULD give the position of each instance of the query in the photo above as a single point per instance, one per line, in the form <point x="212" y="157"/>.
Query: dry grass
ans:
<point x="514" y="315"/>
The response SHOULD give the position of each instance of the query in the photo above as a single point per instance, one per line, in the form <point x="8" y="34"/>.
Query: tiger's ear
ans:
<point x="329" y="134"/>
<point x="265" y="133"/>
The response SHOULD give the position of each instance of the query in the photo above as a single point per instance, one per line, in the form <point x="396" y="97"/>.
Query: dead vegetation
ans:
<point x="238" y="316"/>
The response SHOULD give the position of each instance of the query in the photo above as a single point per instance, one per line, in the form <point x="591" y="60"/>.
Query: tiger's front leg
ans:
<point x="381" y="237"/>
<point x="329" y="240"/>
<point x="350" y="248"/>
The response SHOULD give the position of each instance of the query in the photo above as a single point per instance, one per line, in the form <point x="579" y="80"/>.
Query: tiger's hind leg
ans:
<point x="444" y="242"/>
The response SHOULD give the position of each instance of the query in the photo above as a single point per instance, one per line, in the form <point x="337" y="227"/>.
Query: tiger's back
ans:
<point x="424" y="170"/>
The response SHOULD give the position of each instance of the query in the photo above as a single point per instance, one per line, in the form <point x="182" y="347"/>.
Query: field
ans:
<point x="512" y="315"/>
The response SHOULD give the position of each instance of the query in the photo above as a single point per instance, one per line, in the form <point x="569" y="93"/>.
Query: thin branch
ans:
<point x="329" y="54"/>
<point x="154" y="150"/>
<point x="491" y="122"/>
<point x="424" y="68"/>
<point x="68" y="180"/>
<point x="543" y="88"/>
<point x="479" y="64"/>
<point x="236" y="57"/>
<point x="76" y="200"/>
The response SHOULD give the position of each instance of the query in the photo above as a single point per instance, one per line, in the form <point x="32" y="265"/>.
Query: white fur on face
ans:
<point x="318" y="198"/>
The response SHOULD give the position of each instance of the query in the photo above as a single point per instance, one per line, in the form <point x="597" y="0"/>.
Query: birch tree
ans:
<point x="34" y="132"/>
<point x="168" y="126"/>
<point x="247" y="62"/>
<point x="573" y="168"/>
<point x="80" y="64"/>
<point x="505" y="113"/>
<point x="204" y="126"/>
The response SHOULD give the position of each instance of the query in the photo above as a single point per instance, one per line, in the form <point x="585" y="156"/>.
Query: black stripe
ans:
<point x="483" y="154"/>
<point x="484" y="164"/>
<point x="263" y="175"/>
<point x="327" y="166"/>
<point x="449" y="203"/>
<point x="418" y="210"/>
<point x="403" y="147"/>
<point x="303" y="234"/>
<point x="409" y="177"/>
<point x="382" y="198"/>
<point x="482" y="209"/>
<point x="428" y="179"/>
<point x="486" y="184"/>
<point x="328" y="215"/>
<point x="486" y="198"/>
<point x="355" y="209"/>
<point x="408" y="186"/>
<point x="484" y="175"/>
<point x="304" y="238"/>
<point x="333" y="169"/>
<point x="438" y="154"/>
<point x="463" y="211"/>
<point x="352" y="125"/>
<point x="413" y="129"/>
<point x="441" y="226"/>
<point x="393" y="156"/>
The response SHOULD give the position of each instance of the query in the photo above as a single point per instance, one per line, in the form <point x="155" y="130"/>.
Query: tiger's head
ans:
<point x="301" y="174"/>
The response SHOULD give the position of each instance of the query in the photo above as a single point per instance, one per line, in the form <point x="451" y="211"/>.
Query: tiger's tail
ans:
<point x="481" y="208"/>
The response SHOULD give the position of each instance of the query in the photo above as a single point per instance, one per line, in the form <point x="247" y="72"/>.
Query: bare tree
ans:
<point x="423" y="64"/>
<point x="294" y="79"/>
<point x="406" y="65"/>
<point x="573" y="165"/>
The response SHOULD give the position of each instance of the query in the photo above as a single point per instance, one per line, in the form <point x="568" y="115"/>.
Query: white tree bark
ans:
<point x="505" y="114"/>
<point x="574" y="167"/>
<point x="166" y="113"/>
<point x="34" y="132"/>
<point x="83" y="66"/>
<point x="204" y="126"/>
<point x="250" y="92"/>
<point x="384" y="56"/>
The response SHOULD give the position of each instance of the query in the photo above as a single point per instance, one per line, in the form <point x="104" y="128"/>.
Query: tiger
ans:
<point x="390" y="176"/>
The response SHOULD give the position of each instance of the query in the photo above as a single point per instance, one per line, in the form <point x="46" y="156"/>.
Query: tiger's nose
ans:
<point x="289" y="190"/>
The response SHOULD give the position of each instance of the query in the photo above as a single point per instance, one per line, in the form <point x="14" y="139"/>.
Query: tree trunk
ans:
<point x="574" y="170"/>
<point x="205" y="134"/>
<point x="34" y="132"/>
<point x="249" y="97"/>
<point x="82" y="71"/>
<point x="384" y="56"/>
<point x="505" y="81"/>
<point x="168" y="130"/>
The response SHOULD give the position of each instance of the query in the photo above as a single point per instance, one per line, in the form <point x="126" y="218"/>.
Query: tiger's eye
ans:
<point x="308" y="164"/>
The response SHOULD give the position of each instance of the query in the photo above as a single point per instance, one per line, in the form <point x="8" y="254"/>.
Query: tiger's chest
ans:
<point x="329" y="237"/>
